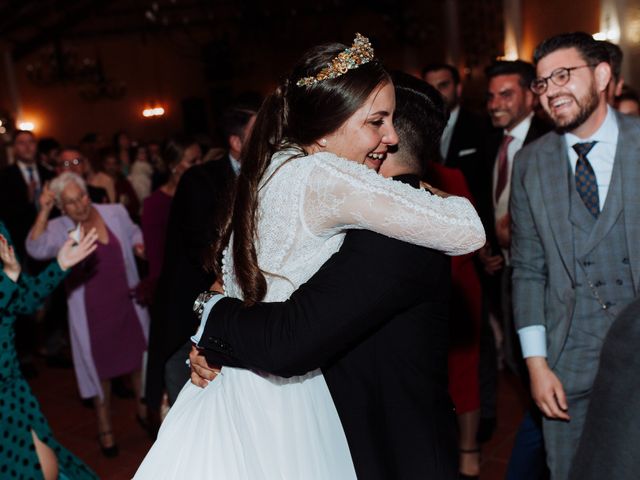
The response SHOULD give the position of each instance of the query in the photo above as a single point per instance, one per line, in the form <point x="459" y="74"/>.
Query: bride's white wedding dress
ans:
<point x="252" y="425"/>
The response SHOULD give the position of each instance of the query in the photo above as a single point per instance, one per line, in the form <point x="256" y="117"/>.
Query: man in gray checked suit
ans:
<point x="575" y="208"/>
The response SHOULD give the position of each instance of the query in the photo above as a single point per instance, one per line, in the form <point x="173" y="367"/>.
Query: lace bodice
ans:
<point x="306" y="204"/>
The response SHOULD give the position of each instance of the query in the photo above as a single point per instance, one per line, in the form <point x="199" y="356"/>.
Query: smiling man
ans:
<point x="510" y="104"/>
<point x="575" y="247"/>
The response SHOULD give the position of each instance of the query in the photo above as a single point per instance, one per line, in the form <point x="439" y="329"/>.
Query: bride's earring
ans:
<point x="323" y="142"/>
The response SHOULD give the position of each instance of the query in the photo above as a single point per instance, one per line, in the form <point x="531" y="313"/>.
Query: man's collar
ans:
<point x="607" y="133"/>
<point x="521" y="129"/>
<point x="25" y="166"/>
<point x="235" y="164"/>
<point x="453" y="116"/>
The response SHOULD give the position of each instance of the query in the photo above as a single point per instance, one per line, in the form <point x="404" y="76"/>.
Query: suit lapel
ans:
<point x="628" y="154"/>
<point x="553" y="165"/>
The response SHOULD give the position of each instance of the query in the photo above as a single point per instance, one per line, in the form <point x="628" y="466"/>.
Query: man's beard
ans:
<point x="586" y="106"/>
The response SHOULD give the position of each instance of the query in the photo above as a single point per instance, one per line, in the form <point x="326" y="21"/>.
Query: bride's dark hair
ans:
<point x="291" y="116"/>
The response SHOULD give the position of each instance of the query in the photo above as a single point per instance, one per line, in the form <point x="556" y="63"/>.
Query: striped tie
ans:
<point x="586" y="184"/>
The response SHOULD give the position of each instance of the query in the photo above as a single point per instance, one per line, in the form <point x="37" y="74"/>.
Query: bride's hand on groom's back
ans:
<point x="201" y="372"/>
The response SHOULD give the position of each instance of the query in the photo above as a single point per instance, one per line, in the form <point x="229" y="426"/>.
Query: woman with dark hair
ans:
<point x="125" y="194"/>
<point x="123" y="147"/>
<point x="180" y="154"/>
<point x="306" y="177"/>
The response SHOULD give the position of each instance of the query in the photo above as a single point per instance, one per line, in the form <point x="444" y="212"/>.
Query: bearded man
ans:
<point x="575" y="246"/>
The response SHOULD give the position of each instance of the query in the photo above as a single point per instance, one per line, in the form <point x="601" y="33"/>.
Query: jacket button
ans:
<point x="625" y="261"/>
<point x="619" y="282"/>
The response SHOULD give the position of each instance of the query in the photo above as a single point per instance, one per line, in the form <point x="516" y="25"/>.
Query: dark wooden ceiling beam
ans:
<point x="83" y="9"/>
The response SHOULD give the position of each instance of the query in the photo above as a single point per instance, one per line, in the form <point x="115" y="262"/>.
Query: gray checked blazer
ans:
<point x="541" y="249"/>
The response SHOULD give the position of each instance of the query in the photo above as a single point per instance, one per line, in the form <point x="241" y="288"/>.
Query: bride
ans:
<point x="307" y="176"/>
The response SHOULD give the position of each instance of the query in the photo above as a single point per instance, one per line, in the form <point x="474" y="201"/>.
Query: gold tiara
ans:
<point x="361" y="52"/>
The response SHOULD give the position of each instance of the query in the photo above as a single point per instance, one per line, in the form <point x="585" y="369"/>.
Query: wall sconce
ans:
<point x="153" y="112"/>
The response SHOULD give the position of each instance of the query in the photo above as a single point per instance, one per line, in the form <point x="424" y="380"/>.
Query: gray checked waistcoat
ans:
<point x="558" y="248"/>
<point x="603" y="282"/>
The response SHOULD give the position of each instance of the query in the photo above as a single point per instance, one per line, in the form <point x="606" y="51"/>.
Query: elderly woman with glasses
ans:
<point x="108" y="328"/>
<point x="100" y="186"/>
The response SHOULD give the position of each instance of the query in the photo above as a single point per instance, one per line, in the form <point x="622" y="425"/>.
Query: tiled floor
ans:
<point x="74" y="426"/>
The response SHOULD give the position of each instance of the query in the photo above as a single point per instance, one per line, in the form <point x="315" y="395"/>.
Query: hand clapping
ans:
<point x="10" y="264"/>
<point x="73" y="252"/>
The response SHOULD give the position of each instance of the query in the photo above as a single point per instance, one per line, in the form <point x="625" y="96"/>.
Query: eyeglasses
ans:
<point x="67" y="163"/>
<point x="560" y="77"/>
<point x="74" y="201"/>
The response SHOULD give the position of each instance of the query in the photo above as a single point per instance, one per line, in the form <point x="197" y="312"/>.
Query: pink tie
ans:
<point x="503" y="166"/>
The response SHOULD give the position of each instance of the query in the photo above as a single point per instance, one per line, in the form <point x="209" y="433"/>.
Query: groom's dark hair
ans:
<point x="420" y="118"/>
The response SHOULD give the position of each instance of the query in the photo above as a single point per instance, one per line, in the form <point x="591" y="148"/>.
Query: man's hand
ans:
<point x="546" y="389"/>
<point x="434" y="190"/>
<point x="201" y="372"/>
<point x="491" y="263"/>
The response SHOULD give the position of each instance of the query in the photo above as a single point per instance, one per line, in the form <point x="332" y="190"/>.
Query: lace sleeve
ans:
<point x="340" y="194"/>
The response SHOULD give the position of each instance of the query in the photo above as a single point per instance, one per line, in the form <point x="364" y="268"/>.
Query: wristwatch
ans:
<point x="203" y="298"/>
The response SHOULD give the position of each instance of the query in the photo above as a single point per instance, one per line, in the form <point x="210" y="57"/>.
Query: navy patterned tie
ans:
<point x="586" y="184"/>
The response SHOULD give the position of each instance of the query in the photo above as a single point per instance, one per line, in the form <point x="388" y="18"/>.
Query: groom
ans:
<point x="374" y="317"/>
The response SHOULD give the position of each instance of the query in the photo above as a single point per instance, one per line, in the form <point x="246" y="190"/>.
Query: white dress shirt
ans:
<point x="235" y="164"/>
<point x="445" y="141"/>
<point x="24" y="169"/>
<point x="501" y="206"/>
<point x="533" y="338"/>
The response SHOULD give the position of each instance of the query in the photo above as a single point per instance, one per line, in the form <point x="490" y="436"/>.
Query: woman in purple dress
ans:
<point x="108" y="328"/>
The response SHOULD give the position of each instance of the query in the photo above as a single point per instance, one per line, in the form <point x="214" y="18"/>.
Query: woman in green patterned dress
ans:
<point x="27" y="447"/>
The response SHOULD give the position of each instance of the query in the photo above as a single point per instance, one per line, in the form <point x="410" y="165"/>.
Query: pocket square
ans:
<point x="467" y="151"/>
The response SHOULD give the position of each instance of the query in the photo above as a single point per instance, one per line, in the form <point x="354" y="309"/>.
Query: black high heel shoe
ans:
<point x="109" y="452"/>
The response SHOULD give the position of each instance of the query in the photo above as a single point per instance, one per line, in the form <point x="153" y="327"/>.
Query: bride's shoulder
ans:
<point x="335" y="163"/>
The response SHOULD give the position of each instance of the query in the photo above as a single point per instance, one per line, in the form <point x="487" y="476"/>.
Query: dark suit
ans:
<point x="537" y="128"/>
<point x="375" y="317"/>
<point x="200" y="200"/>
<point x="527" y="460"/>
<point x="609" y="444"/>
<point x="17" y="212"/>
<point x="466" y="149"/>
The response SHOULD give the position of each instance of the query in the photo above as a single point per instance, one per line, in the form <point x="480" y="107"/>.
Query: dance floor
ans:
<point x="75" y="427"/>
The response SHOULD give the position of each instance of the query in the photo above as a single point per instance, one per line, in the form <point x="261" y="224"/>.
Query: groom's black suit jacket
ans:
<point x="375" y="317"/>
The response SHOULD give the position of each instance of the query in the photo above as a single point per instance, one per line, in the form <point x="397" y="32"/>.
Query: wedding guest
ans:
<point x="141" y="173"/>
<point x="123" y="147"/>
<point x="27" y="446"/>
<point x="71" y="160"/>
<point x="201" y="201"/>
<point x="108" y="329"/>
<point x="181" y="153"/>
<point x="124" y="192"/>
<point x="628" y="103"/>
